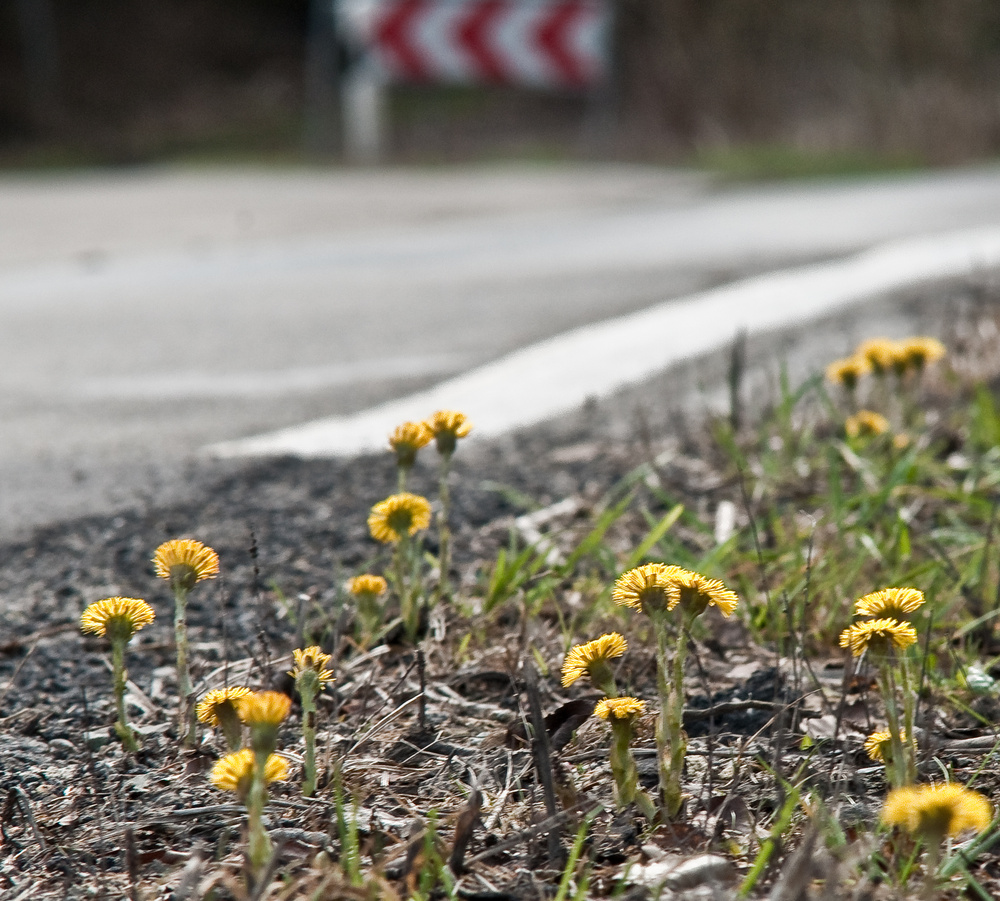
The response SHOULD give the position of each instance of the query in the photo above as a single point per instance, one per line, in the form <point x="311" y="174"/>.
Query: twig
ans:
<point x="543" y="756"/>
<point x="547" y="825"/>
<point x="131" y="864"/>
<point x="16" y="793"/>
<point x="382" y="722"/>
<point x="17" y="670"/>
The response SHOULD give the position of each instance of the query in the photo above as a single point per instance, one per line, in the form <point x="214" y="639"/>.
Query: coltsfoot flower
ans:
<point x="865" y="422"/>
<point x="399" y="515"/>
<point x="879" y="635"/>
<point x="920" y="351"/>
<point x="407" y="439"/>
<point x="311" y="660"/>
<point x="897" y="603"/>
<point x="619" y="708"/>
<point x="217" y="700"/>
<point x="695" y="592"/>
<point x="234" y="772"/>
<point x="220" y="708"/>
<point x="367" y="584"/>
<point x="184" y="562"/>
<point x="848" y="372"/>
<point x="878" y="745"/>
<point x="264" y="708"/>
<point x="117" y="617"/>
<point x="882" y="354"/>
<point x="592" y="659"/>
<point x="935" y="811"/>
<point x="645" y="588"/>
<point x="447" y="426"/>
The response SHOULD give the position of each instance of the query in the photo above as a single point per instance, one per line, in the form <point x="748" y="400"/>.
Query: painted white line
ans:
<point x="556" y="376"/>
<point x="276" y="383"/>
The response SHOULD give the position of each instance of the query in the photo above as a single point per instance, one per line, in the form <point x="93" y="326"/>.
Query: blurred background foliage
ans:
<point x="746" y="86"/>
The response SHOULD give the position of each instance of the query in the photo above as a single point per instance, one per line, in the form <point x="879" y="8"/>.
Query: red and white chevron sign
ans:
<point x="543" y="43"/>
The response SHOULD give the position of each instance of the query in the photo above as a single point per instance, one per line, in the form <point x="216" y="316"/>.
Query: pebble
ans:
<point x="61" y="747"/>
<point x="701" y="870"/>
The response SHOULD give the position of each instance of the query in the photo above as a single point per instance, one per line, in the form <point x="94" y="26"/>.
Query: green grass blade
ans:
<point x="654" y="536"/>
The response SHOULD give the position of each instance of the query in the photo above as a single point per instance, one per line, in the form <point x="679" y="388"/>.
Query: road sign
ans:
<point x="559" y="44"/>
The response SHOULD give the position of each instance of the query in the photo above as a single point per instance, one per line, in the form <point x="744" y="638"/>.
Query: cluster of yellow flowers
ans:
<point x="657" y="590"/>
<point x="444" y="427"/>
<point x="880" y="356"/>
<point x="887" y="629"/>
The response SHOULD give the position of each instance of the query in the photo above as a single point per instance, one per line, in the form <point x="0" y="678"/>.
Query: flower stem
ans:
<point x="670" y="744"/>
<point x="186" y="711"/>
<point x="909" y="702"/>
<point x="898" y="770"/>
<point x="232" y="725"/>
<point x="125" y="733"/>
<point x="409" y="609"/>
<point x="307" y="693"/>
<point x="259" y="844"/>
<point x="444" y="532"/>
<point x="678" y="741"/>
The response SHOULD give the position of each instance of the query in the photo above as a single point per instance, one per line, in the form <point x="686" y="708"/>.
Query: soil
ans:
<point x="412" y="735"/>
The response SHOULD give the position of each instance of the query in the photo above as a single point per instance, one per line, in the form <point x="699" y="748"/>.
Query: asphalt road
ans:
<point x="146" y="314"/>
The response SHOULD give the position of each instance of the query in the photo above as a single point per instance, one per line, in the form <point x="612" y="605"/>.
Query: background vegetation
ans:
<point x="753" y="87"/>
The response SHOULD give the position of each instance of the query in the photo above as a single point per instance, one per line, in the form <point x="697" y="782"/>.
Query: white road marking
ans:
<point x="555" y="376"/>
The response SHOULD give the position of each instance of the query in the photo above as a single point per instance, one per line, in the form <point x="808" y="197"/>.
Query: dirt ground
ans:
<point x="79" y="818"/>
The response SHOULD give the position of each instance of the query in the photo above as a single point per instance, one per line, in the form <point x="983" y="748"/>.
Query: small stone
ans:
<point x="97" y="738"/>
<point x="61" y="747"/>
<point x="701" y="870"/>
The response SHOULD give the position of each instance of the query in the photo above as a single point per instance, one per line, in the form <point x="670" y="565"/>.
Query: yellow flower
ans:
<point x="878" y="745"/>
<point x="234" y="772"/>
<point x="848" y="372"/>
<point x="619" y="708"/>
<point x="897" y="603"/>
<point x="117" y="617"/>
<point x="264" y="708"/>
<point x="865" y="422"/>
<point x="644" y="588"/>
<point x="367" y="584"/>
<point x="694" y="592"/>
<point x="184" y="562"/>
<point x="447" y="426"/>
<point x="313" y="660"/>
<point x="882" y="354"/>
<point x="590" y="658"/>
<point x="399" y="515"/>
<point x="880" y="635"/>
<point x="407" y="439"/>
<point x="208" y="707"/>
<point x="920" y="351"/>
<point x="935" y="811"/>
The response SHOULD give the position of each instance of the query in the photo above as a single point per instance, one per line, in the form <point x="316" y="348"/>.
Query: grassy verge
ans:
<point x="444" y="759"/>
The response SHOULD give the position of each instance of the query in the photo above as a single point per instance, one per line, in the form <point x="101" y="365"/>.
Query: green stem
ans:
<point x="409" y="609"/>
<point x="678" y="741"/>
<point x="931" y="863"/>
<point x="186" y="711"/>
<point x="125" y="733"/>
<point x="909" y="704"/>
<point x="624" y="771"/>
<point x="444" y="532"/>
<point x="232" y="725"/>
<point x="308" y="696"/>
<point x="259" y="844"/>
<point x="897" y="770"/>
<point x="401" y="474"/>
<point x="370" y="616"/>
<point x="670" y="745"/>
